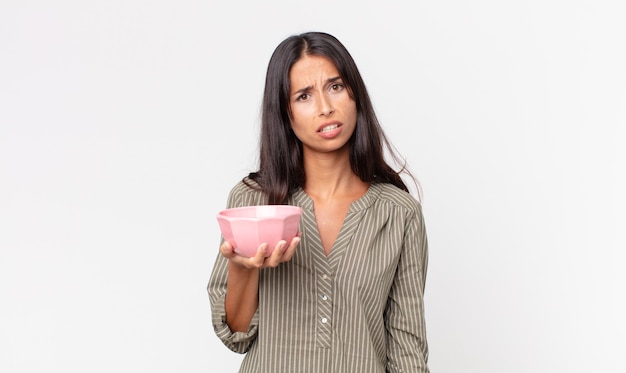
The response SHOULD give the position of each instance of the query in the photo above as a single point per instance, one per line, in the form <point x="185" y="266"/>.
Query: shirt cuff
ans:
<point x="239" y="342"/>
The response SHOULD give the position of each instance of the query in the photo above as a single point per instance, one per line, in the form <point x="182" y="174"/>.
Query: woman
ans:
<point x="346" y="295"/>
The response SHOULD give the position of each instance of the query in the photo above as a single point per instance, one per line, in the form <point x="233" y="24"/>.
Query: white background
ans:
<point x="124" y="124"/>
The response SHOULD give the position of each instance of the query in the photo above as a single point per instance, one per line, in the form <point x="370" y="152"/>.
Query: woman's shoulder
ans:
<point x="246" y="192"/>
<point x="245" y="185"/>
<point x="391" y="194"/>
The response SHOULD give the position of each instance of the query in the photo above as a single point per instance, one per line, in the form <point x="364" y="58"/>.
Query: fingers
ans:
<point x="226" y="249"/>
<point x="275" y="259"/>
<point x="291" y="249"/>
<point x="258" y="260"/>
<point x="281" y="253"/>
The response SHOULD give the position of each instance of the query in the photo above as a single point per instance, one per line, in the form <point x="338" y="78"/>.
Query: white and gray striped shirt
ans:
<point x="359" y="309"/>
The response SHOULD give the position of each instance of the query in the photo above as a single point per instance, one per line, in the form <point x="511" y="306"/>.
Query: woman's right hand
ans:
<point x="282" y="253"/>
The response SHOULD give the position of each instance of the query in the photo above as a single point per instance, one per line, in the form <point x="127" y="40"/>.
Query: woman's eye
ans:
<point x="336" y="87"/>
<point x="302" y="97"/>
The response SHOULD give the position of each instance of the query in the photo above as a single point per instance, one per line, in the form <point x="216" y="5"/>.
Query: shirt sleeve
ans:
<point x="407" y="347"/>
<point x="239" y="342"/>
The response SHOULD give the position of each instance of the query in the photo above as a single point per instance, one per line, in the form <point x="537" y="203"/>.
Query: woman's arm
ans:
<point x="242" y="297"/>
<point x="242" y="288"/>
<point x="404" y="316"/>
<point x="234" y="292"/>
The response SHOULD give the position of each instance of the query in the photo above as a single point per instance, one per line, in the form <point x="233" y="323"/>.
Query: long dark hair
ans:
<point x="281" y="169"/>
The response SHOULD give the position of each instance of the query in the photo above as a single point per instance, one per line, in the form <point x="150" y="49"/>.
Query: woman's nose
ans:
<point x="325" y="106"/>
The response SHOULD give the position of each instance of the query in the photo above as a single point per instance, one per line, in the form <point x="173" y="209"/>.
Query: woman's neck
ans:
<point x="330" y="176"/>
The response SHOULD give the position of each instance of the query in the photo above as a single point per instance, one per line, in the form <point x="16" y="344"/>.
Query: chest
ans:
<point x="329" y="218"/>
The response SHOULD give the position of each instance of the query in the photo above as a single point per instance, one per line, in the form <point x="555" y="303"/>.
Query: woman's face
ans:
<point x="323" y="115"/>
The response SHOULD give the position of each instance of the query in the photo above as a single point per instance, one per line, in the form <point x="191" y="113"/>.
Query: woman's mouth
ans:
<point x="329" y="128"/>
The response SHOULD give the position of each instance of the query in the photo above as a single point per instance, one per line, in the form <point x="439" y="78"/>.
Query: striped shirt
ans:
<point x="359" y="309"/>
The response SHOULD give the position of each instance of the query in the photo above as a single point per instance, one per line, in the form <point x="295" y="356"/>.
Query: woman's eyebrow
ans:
<point x="308" y="88"/>
<point x="302" y="90"/>
<point x="333" y="80"/>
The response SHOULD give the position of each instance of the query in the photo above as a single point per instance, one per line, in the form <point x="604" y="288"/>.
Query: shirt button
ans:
<point x="325" y="277"/>
<point x="324" y="297"/>
<point x="324" y="320"/>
